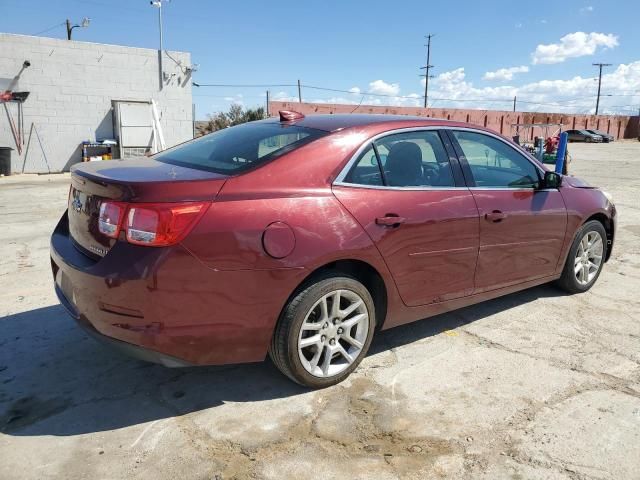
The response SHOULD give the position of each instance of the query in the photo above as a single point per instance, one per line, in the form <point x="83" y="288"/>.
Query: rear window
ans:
<point x="237" y="149"/>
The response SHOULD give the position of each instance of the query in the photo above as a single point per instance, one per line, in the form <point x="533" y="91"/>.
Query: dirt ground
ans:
<point x="535" y="385"/>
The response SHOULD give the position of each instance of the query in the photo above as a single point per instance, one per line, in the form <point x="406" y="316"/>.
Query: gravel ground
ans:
<point x="535" y="385"/>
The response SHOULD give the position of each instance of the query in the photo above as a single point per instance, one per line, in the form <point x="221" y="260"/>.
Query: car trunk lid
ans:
<point x="135" y="181"/>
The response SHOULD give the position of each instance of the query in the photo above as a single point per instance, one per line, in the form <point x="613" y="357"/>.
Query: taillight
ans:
<point x="110" y="219"/>
<point x="151" y="224"/>
<point x="161" y="224"/>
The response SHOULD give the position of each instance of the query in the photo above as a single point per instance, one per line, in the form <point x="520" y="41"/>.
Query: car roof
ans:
<point x="331" y="123"/>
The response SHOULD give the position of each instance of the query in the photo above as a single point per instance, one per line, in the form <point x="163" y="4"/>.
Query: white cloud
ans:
<point x="452" y="76"/>
<point x="284" y="97"/>
<point x="577" y="44"/>
<point x="384" y="88"/>
<point x="237" y="98"/>
<point x="504" y="74"/>
<point x="354" y="90"/>
<point x="620" y="89"/>
<point x="518" y="25"/>
<point x="587" y="9"/>
<point x="338" y="100"/>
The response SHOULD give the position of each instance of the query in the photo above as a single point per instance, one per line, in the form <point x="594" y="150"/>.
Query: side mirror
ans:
<point x="551" y="180"/>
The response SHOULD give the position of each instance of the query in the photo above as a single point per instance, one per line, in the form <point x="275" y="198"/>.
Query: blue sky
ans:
<point x="484" y="52"/>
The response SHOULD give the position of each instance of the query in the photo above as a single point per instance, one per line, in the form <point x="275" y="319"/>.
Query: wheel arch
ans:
<point x="607" y="223"/>
<point x="362" y="271"/>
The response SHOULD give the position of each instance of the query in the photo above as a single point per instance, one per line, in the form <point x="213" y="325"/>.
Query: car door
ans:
<point x="522" y="227"/>
<point x="408" y="193"/>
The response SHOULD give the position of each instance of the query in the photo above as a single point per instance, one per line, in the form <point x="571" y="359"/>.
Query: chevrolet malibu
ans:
<point x="299" y="237"/>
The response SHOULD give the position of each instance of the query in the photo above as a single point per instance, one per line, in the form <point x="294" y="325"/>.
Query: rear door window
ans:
<point x="411" y="159"/>
<point x="366" y="170"/>
<point x="237" y="149"/>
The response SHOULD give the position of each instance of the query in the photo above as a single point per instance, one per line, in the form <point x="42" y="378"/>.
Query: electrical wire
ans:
<point x="230" y="85"/>
<point x="358" y="106"/>
<point x="48" y="29"/>
<point x="491" y="101"/>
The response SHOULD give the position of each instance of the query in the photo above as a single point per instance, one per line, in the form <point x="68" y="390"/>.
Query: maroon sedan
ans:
<point x="301" y="236"/>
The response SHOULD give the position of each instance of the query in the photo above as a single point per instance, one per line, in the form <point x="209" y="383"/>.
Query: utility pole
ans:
<point x="599" y="65"/>
<point x="299" y="92"/>
<point x="514" y="103"/>
<point x="267" y="103"/>
<point x="193" y="119"/>
<point x="158" y="5"/>
<point x="427" y="67"/>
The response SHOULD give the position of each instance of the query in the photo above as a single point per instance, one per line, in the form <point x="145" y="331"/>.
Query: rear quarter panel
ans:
<point x="230" y="235"/>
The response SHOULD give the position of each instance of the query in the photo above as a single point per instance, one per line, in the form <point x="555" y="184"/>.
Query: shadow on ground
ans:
<point x="56" y="381"/>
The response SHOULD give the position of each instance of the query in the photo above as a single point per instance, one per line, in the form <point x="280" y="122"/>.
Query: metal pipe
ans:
<point x="561" y="151"/>
<point x="161" y="45"/>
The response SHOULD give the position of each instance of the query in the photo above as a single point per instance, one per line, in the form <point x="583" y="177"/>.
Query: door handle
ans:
<point x="390" y="220"/>
<point x="495" y="216"/>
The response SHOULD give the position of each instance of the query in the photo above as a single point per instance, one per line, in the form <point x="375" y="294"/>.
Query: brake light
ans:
<point x="110" y="219"/>
<point x="151" y="224"/>
<point x="161" y="224"/>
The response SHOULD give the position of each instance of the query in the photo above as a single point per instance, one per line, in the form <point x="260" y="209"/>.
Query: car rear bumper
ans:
<point x="128" y="349"/>
<point x="164" y="305"/>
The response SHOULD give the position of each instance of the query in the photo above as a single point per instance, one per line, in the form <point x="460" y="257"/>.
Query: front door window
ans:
<point x="495" y="164"/>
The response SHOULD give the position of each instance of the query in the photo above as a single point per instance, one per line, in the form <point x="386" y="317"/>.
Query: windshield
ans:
<point x="237" y="149"/>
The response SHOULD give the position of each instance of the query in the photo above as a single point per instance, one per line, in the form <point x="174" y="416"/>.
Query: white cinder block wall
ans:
<point x="72" y="85"/>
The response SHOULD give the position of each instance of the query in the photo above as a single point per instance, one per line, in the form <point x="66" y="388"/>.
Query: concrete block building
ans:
<point x="86" y="92"/>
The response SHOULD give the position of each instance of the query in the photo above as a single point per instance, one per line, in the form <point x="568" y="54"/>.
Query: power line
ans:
<point x="388" y="95"/>
<point x="566" y="103"/>
<point x="49" y="29"/>
<point x="274" y="85"/>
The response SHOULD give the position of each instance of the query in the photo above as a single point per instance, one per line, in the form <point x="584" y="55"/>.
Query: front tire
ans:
<point x="586" y="258"/>
<point x="324" y="331"/>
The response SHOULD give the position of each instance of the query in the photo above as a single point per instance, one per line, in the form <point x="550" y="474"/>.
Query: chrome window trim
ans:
<point x="384" y="187"/>
<point x="339" y="180"/>
<point x="520" y="189"/>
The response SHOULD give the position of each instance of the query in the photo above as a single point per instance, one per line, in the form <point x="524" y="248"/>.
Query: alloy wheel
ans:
<point x="333" y="333"/>
<point x="588" y="258"/>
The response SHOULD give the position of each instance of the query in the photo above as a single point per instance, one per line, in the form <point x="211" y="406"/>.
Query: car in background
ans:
<point x="301" y="237"/>
<point x="584" y="136"/>
<point x="606" y="138"/>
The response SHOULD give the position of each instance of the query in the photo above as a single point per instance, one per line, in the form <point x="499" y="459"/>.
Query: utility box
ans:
<point x="133" y="127"/>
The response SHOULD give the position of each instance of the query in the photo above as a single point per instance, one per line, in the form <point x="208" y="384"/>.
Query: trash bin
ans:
<point x="5" y="160"/>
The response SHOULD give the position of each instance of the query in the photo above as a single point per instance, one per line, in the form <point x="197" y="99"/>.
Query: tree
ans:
<point x="235" y="116"/>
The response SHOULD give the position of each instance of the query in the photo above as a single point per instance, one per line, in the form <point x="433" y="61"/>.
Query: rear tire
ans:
<point x="324" y="331"/>
<point x="585" y="259"/>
